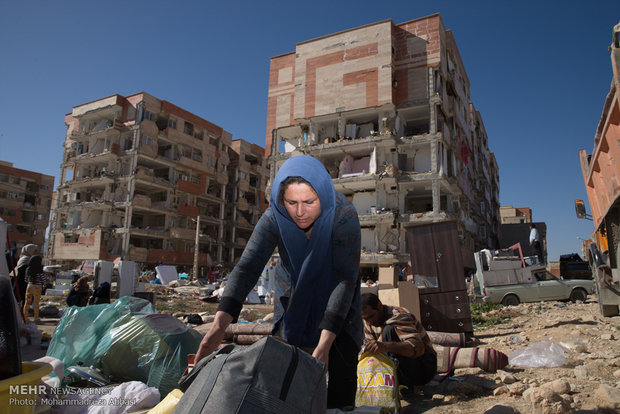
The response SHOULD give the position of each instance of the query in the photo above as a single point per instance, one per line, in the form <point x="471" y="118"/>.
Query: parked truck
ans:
<point x="506" y="277"/>
<point x="601" y="174"/>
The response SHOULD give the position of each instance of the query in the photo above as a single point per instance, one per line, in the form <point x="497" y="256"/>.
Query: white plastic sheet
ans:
<point x="166" y="274"/>
<point x="125" y="398"/>
<point x="541" y="354"/>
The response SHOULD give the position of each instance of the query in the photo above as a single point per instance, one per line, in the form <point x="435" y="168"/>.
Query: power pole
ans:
<point x="196" y="248"/>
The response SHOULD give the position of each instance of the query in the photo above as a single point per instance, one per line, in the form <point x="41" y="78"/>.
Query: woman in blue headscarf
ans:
<point x="317" y="301"/>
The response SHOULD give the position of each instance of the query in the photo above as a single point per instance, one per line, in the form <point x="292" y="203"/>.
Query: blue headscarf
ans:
<point x="310" y="259"/>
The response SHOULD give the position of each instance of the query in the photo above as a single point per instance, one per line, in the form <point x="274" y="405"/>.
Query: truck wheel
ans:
<point x="578" y="294"/>
<point x="510" y="300"/>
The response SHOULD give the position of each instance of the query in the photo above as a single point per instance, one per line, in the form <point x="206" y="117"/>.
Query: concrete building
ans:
<point x="386" y="107"/>
<point x="246" y="198"/>
<point x="136" y="173"/>
<point x="514" y="215"/>
<point x="25" y="202"/>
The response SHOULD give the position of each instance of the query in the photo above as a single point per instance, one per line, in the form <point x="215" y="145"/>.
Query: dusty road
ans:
<point x="588" y="382"/>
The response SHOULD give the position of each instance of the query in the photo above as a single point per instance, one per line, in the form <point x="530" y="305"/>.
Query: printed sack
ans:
<point x="377" y="381"/>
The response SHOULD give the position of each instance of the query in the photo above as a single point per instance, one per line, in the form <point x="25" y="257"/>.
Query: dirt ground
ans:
<point x="587" y="383"/>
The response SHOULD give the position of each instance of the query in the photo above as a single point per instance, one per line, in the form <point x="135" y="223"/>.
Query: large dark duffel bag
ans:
<point x="269" y="376"/>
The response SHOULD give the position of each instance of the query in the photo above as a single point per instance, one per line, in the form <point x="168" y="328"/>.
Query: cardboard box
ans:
<point x="388" y="277"/>
<point x="406" y="295"/>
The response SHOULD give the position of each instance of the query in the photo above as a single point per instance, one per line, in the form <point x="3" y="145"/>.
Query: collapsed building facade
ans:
<point x="25" y="203"/>
<point x="245" y="196"/>
<point x="387" y="110"/>
<point x="137" y="173"/>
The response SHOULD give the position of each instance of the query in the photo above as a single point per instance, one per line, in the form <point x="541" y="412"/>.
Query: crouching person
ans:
<point x="395" y="331"/>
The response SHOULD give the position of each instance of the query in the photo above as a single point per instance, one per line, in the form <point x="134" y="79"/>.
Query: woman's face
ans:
<point x="302" y="204"/>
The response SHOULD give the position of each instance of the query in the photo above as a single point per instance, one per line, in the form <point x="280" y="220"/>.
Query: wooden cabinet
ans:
<point x="435" y="253"/>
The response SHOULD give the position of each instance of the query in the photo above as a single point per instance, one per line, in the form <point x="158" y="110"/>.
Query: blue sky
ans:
<point x="539" y="72"/>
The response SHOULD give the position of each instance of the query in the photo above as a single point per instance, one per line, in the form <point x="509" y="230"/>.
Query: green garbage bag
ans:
<point x="128" y="340"/>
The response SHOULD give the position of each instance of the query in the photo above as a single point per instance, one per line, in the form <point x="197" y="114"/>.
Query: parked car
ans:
<point x="546" y="287"/>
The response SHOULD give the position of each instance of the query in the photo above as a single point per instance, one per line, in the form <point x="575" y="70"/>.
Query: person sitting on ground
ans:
<point x="395" y="331"/>
<point x="79" y="293"/>
<point x="37" y="280"/>
<point x="101" y="294"/>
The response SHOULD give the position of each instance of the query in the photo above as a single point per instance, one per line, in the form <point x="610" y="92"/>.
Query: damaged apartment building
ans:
<point x="386" y="108"/>
<point x="25" y="202"/>
<point x="138" y="172"/>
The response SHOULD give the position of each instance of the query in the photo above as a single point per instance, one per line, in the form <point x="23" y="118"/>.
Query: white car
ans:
<point x="546" y="287"/>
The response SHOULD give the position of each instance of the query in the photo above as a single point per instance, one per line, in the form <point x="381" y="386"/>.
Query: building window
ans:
<point x="14" y="180"/>
<point x="3" y="178"/>
<point x="147" y="140"/>
<point x="197" y="155"/>
<point x="149" y="115"/>
<point x="45" y="187"/>
<point x="172" y="123"/>
<point x="71" y="238"/>
<point x="12" y="195"/>
<point x="188" y="128"/>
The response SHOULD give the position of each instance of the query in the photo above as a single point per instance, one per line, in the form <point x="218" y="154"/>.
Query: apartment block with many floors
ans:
<point x="386" y="108"/>
<point x="136" y="173"/>
<point x="25" y="202"/>
<point x="246" y="198"/>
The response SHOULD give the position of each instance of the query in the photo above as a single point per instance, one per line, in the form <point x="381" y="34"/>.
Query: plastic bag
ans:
<point x="541" y="354"/>
<point x="377" y="381"/>
<point x="127" y="340"/>
<point x="124" y="398"/>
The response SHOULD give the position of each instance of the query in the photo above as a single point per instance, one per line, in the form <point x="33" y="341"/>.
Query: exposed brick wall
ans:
<point x="417" y="45"/>
<point x="30" y="175"/>
<point x="188" y="116"/>
<point x="279" y="87"/>
<point x="192" y="188"/>
<point x="175" y="258"/>
<point x="336" y="58"/>
<point x="370" y="78"/>
<point x="185" y="210"/>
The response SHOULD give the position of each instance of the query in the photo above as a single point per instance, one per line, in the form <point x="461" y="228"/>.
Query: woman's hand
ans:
<point x="214" y="337"/>
<point x="321" y="352"/>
